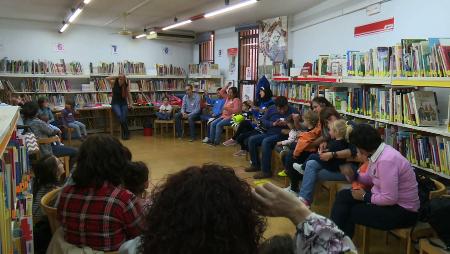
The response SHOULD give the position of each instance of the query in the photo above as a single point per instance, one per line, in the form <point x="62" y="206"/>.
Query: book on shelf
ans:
<point x="168" y="69"/>
<point x="204" y="69"/>
<point x="425" y="108"/>
<point x="7" y="85"/>
<point x="128" y="68"/>
<point x="40" y="67"/>
<point x="323" y="65"/>
<point x="15" y="199"/>
<point x="102" y="68"/>
<point x="102" y="85"/>
<point x="44" y="85"/>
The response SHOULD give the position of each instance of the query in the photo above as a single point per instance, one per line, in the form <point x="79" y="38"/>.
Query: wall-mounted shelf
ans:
<point x="48" y="76"/>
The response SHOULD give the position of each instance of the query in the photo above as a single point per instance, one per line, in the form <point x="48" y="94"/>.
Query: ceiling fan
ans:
<point x="124" y="31"/>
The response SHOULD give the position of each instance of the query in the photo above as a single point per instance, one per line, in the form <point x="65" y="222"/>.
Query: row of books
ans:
<point x="16" y="199"/>
<point x="44" y="85"/>
<point x="40" y="67"/>
<point x="127" y="67"/>
<point x="426" y="151"/>
<point x="158" y="85"/>
<point x="6" y="85"/>
<point x="91" y="100"/>
<point x="410" y="58"/>
<point x="102" y="68"/>
<point x="394" y="104"/>
<point x="147" y="98"/>
<point x="204" y="69"/>
<point x="168" y="69"/>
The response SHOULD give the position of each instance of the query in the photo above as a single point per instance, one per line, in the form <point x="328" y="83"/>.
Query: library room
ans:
<point x="224" y="126"/>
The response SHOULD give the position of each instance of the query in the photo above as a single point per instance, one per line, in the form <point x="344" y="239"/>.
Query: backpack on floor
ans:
<point x="425" y="186"/>
<point x="439" y="219"/>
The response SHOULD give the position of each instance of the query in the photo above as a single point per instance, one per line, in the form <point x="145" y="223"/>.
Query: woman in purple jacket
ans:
<point x="393" y="200"/>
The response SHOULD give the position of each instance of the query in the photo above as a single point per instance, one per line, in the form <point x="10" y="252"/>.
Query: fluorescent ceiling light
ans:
<point x="63" y="28"/>
<point x="75" y="15"/>
<point x="141" y="35"/>
<point x="86" y="1"/>
<point x="152" y="32"/>
<point x="230" y="8"/>
<point x="177" y="25"/>
<point x="250" y="44"/>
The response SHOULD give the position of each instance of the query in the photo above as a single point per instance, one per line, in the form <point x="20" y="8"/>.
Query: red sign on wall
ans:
<point x="373" y="28"/>
<point x="232" y="51"/>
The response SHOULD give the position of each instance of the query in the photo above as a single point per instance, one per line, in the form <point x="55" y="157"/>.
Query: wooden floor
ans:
<point x="167" y="155"/>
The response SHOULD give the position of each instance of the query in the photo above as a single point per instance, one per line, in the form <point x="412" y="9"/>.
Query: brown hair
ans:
<point x="311" y="117"/>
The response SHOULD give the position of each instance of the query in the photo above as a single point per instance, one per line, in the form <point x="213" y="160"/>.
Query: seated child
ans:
<point x="339" y="132"/>
<point x="68" y="119"/>
<point x="284" y="146"/>
<point x="45" y="113"/>
<point x="165" y="110"/>
<point x="47" y="173"/>
<point x="136" y="180"/>
<point x="301" y="153"/>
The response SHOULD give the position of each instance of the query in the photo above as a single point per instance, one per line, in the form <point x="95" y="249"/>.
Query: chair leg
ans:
<point x="333" y="191"/>
<point x="69" y="137"/>
<point x="365" y="239"/>
<point x="409" y="246"/>
<point x="67" y="165"/>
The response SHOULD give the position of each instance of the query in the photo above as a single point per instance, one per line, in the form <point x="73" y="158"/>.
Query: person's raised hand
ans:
<point x="278" y="203"/>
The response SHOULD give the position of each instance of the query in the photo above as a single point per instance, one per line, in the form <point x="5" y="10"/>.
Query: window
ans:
<point x="206" y="50"/>
<point x="248" y="54"/>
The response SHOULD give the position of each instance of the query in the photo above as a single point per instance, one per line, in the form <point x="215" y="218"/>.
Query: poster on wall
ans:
<point x="273" y="39"/>
<point x="248" y="73"/>
<point x="248" y="92"/>
<point x="59" y="47"/>
<point x="114" y="49"/>
<point x="232" y="55"/>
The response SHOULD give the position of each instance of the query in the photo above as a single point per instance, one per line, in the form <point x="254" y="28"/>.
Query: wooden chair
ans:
<point x="199" y="122"/>
<point x="229" y="132"/>
<point x="333" y="187"/>
<point x="420" y="230"/>
<point x="165" y="123"/>
<point x="49" y="210"/>
<point x="48" y="141"/>
<point x="68" y="131"/>
<point x="425" y="247"/>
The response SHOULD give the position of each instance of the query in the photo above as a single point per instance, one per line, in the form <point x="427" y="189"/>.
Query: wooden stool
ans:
<point x="333" y="187"/>
<point x="229" y="132"/>
<point x="165" y="123"/>
<point x="425" y="247"/>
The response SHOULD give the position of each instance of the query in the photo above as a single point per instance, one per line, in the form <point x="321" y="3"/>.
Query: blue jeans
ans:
<point x="313" y="173"/>
<point x="61" y="151"/>
<point x="179" y="124"/>
<point x="216" y="129"/>
<point x="79" y="128"/>
<point x="205" y="118"/>
<point x="267" y="143"/>
<point x="163" y="116"/>
<point x="121" y="111"/>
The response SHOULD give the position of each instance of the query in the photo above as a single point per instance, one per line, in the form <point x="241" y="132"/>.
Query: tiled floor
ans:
<point x="167" y="155"/>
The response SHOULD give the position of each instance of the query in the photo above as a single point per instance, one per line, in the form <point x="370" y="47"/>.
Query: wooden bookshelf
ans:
<point x="8" y="121"/>
<point x="47" y="76"/>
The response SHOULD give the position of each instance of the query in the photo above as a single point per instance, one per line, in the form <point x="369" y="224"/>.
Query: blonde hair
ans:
<point x="311" y="117"/>
<point x="341" y="129"/>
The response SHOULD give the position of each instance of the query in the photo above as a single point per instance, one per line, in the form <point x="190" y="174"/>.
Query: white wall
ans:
<point x="225" y="39"/>
<point x="37" y="40"/>
<point x="413" y="19"/>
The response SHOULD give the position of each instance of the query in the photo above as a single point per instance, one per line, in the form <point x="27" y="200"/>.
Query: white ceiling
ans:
<point x="151" y="13"/>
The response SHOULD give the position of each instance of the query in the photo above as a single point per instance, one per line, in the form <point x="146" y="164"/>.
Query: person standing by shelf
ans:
<point x="190" y="110"/>
<point x="121" y="101"/>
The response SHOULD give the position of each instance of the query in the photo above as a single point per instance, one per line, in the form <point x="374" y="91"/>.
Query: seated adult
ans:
<point x="314" y="171"/>
<point x="216" y="111"/>
<point x="43" y="130"/>
<point x="190" y="110"/>
<point x="233" y="105"/>
<point x="273" y="122"/>
<point x="393" y="200"/>
<point x="309" y="144"/>
<point x="188" y="216"/>
<point x="95" y="211"/>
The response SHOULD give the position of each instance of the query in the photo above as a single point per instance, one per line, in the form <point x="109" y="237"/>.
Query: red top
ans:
<point x="102" y="218"/>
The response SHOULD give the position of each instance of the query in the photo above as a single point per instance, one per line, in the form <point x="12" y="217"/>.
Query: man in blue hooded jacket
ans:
<point x="273" y="121"/>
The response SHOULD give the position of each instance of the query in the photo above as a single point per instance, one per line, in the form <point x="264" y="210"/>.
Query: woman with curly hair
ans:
<point x="205" y="209"/>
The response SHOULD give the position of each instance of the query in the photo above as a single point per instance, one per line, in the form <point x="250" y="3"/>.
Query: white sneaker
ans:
<point x="288" y="190"/>
<point x="205" y="140"/>
<point x="298" y="168"/>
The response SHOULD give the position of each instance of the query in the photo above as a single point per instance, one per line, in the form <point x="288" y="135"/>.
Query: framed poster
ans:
<point x="248" y="92"/>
